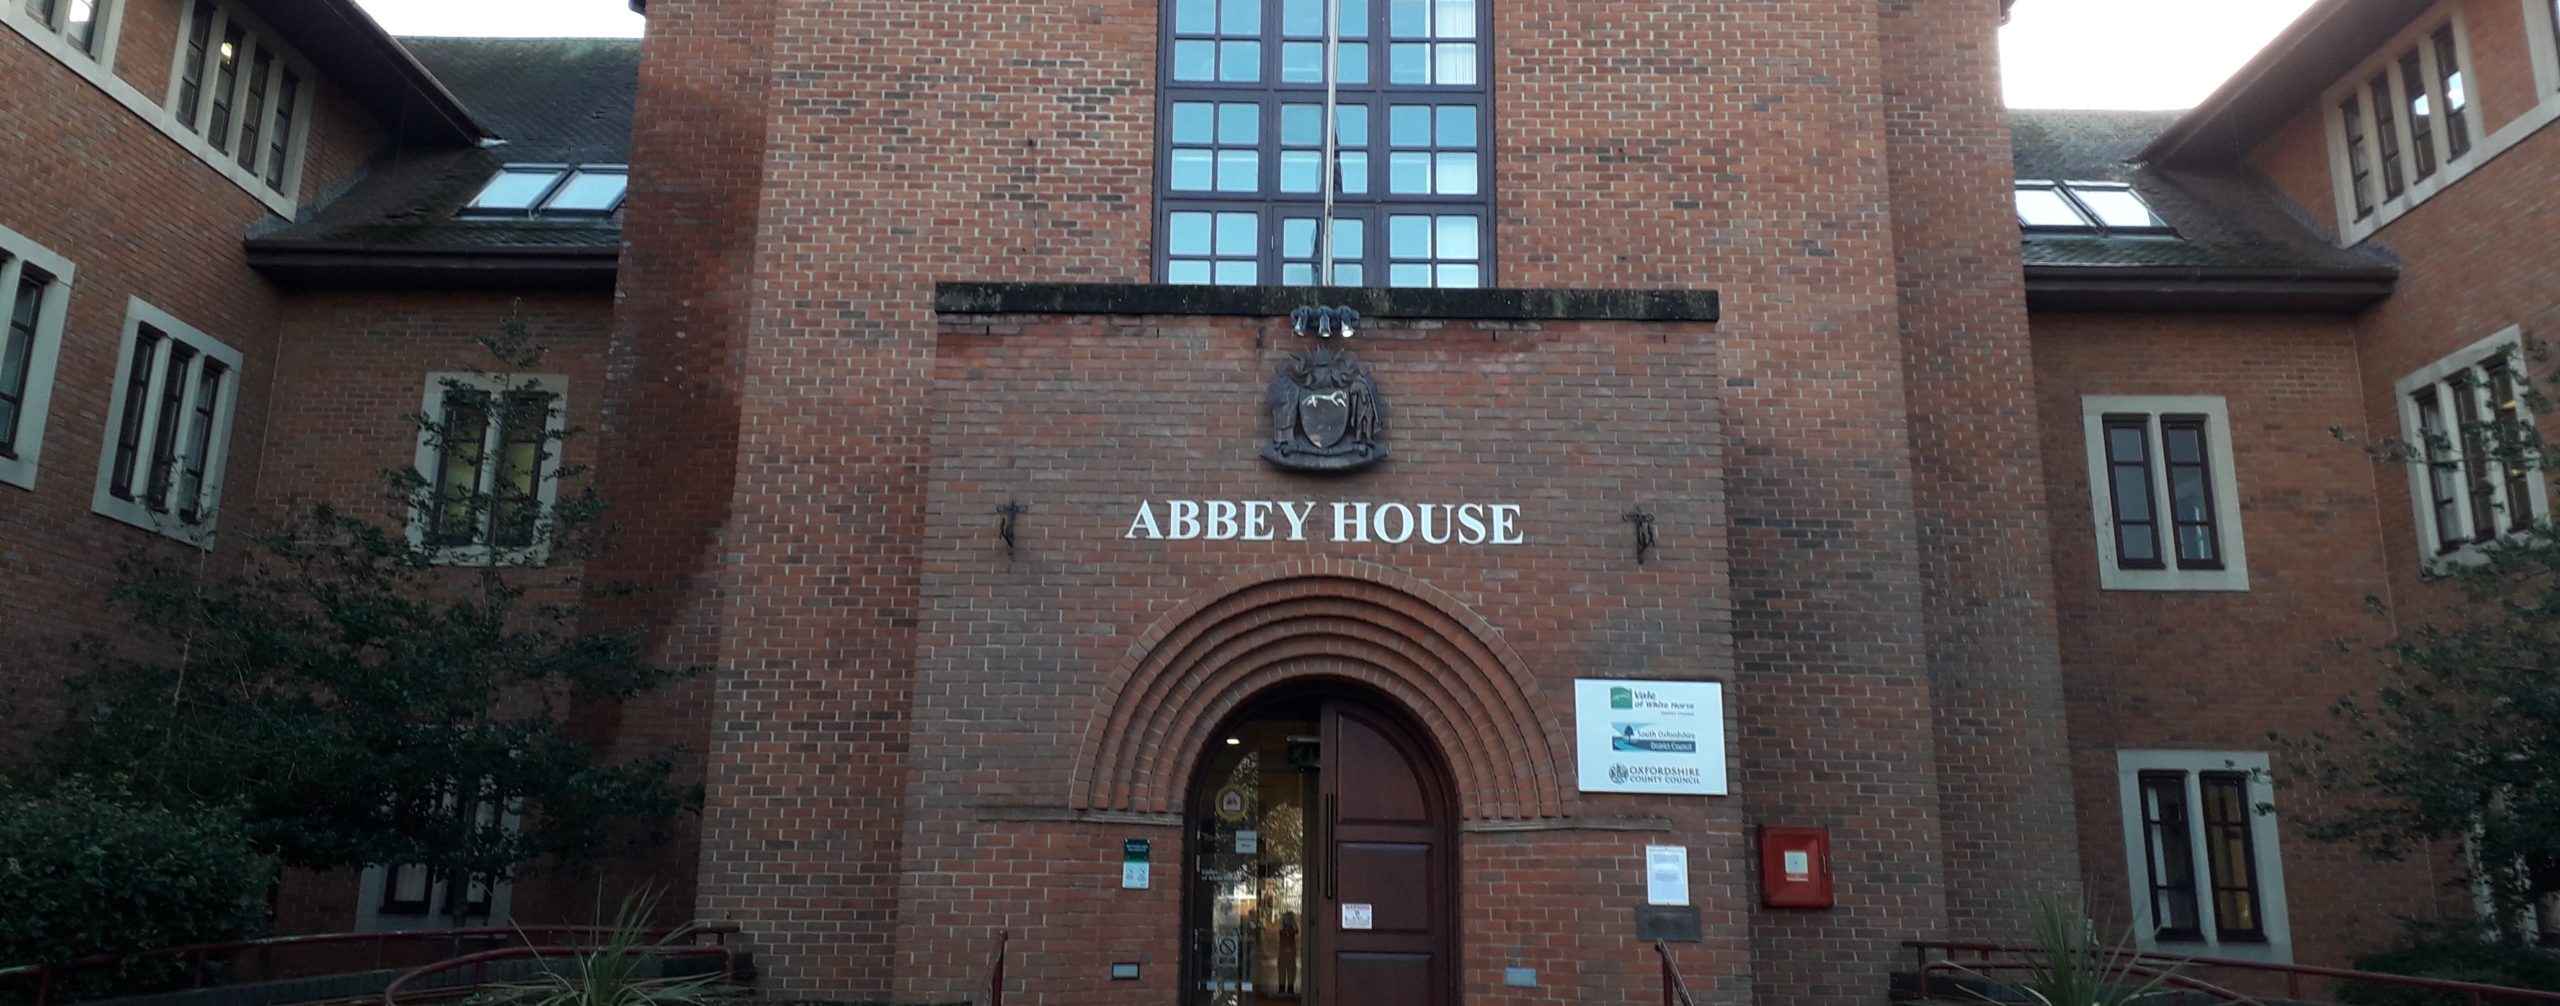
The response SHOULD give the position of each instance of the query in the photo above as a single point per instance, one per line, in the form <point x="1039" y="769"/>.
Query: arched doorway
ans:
<point x="1321" y="866"/>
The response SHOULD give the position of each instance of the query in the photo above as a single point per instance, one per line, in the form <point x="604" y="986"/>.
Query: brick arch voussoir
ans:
<point x="1415" y="685"/>
<point x="1242" y="688"/>
<point x="1406" y="650"/>
<point x="1443" y="660"/>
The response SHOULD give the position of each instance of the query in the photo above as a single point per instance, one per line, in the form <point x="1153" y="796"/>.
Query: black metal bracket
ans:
<point x="1012" y="511"/>
<point x="1644" y="533"/>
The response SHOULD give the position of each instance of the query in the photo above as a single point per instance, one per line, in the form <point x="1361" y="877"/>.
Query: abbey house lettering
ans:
<point x="1482" y="524"/>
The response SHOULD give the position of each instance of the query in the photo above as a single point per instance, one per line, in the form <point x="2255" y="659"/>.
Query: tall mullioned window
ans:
<point x="1275" y="159"/>
<point x="240" y="90"/>
<point x="2477" y="458"/>
<point x="2404" y="127"/>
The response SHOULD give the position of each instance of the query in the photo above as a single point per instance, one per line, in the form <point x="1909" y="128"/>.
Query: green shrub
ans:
<point x="85" y="869"/>
<point x="2452" y="959"/>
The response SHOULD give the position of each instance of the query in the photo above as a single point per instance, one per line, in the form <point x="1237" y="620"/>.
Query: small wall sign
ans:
<point x="1134" y="854"/>
<point x="1358" y="916"/>
<point x="1666" y="874"/>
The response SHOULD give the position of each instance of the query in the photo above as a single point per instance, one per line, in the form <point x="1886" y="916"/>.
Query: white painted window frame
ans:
<point x="2486" y="146"/>
<point x="159" y="111"/>
<point x="2508" y="343"/>
<point x="256" y="37"/>
<point x="17" y="251"/>
<point x="2263" y="840"/>
<point x="430" y="458"/>
<point x="2234" y="574"/>
<point x="136" y="511"/>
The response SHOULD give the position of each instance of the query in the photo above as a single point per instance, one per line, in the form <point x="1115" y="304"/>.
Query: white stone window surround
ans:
<point x="2506" y="343"/>
<point x="430" y="457"/>
<point x="100" y="73"/>
<point x="2485" y="146"/>
<point x="2234" y="576"/>
<point x="136" y="512"/>
<point x="16" y="253"/>
<point x="2265" y="848"/>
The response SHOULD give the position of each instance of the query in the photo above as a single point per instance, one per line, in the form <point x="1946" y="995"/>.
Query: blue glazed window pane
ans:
<point x="1348" y="237"/>
<point x="1302" y="62"/>
<point x="1409" y="63"/>
<point x="1351" y="125"/>
<point x="1239" y="124"/>
<point x="1409" y="18"/>
<point x="1302" y="18"/>
<point x="1409" y="237"/>
<point x="1302" y="125"/>
<point x="1195" y="17"/>
<point x="1240" y="62"/>
<point x="1345" y="274"/>
<point x="1237" y="274"/>
<point x="1301" y="171"/>
<point x="1187" y="234"/>
<point x="1454" y="63"/>
<point x="1351" y="63"/>
<point x="1194" y="122"/>
<point x="1453" y="19"/>
<point x="1409" y="275"/>
<point x="1409" y="174"/>
<point x="1456" y="175"/>
<point x="1459" y="239"/>
<point x="1239" y="171"/>
<point x="1409" y="126"/>
<point x="1355" y="18"/>
<point x="1354" y="176"/>
<point x="1297" y="274"/>
<point x="1238" y="234"/>
<point x="1240" y="17"/>
<point x="1192" y="171"/>
<point x="1460" y="277"/>
<point x="1191" y="273"/>
<point x="1195" y="61"/>
<point x="1457" y="126"/>
<point x="1298" y="238"/>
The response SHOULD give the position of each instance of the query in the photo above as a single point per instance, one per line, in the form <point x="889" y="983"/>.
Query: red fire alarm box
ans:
<point x="1795" y="867"/>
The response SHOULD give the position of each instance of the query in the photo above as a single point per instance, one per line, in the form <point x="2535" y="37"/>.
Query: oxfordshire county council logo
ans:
<point x="1622" y="698"/>
<point x="1618" y="774"/>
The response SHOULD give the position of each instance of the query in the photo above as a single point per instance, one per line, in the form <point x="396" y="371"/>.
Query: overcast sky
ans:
<point x="2056" y="53"/>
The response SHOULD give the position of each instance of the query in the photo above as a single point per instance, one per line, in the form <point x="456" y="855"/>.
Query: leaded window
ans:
<point x="1274" y="160"/>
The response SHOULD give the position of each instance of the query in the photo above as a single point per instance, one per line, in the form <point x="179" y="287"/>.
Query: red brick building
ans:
<point x="1749" y="424"/>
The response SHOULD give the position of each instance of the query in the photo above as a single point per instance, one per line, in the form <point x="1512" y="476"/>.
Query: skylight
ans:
<point x="552" y="190"/>
<point x="2088" y="207"/>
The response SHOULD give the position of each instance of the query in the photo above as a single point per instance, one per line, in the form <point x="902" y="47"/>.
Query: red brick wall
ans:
<point x="147" y="44"/>
<point x="2502" y="86"/>
<point x="2295" y="160"/>
<point x="1994" y="672"/>
<point x="2219" y="671"/>
<point x="1083" y="418"/>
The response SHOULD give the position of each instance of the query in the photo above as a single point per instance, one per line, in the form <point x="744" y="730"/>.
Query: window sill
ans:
<point x="2259" y="953"/>
<point x="2205" y="580"/>
<point x="530" y="556"/>
<point x="168" y="526"/>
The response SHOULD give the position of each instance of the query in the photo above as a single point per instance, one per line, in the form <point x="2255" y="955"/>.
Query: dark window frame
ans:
<point x="2386" y="136"/>
<point x="2419" y="103"/>
<point x="2202" y="428"/>
<point x="2139" y="424"/>
<point x="2443" y="469"/>
<point x="2450" y="73"/>
<point x="2155" y="826"/>
<point x="2359" y="155"/>
<point x="507" y="522"/>
<point x="21" y="327"/>
<point x="2245" y="827"/>
<point x="1269" y="91"/>
<point x="148" y="343"/>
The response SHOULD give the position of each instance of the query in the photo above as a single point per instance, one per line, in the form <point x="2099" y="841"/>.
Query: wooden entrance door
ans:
<point x="1322" y="863"/>
<point x="1386" y="914"/>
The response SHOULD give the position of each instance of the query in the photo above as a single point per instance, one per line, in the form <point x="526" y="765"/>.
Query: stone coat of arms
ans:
<point x="1326" y="413"/>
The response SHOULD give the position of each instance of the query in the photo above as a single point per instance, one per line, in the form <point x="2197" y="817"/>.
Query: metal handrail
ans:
<point x="1674" y="991"/>
<point x="2472" y="992"/>
<point x="728" y="961"/>
<point x="198" y="955"/>
<point x="995" y="969"/>
<point x="2169" y="977"/>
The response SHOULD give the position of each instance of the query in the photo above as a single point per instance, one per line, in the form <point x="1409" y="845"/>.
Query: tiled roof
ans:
<point x="556" y="101"/>
<point x="2226" y="220"/>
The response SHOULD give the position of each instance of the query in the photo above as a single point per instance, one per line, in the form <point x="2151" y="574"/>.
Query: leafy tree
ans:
<point x="2460" y="744"/>
<point x="392" y="689"/>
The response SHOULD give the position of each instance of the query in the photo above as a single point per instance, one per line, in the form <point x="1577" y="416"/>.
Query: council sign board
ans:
<point x="1650" y="737"/>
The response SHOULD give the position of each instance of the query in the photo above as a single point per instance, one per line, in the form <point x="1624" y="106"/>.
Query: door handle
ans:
<point x="1332" y="848"/>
